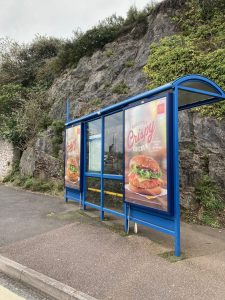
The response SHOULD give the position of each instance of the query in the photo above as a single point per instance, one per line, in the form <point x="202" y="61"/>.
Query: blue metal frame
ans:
<point x="166" y="223"/>
<point x="175" y="159"/>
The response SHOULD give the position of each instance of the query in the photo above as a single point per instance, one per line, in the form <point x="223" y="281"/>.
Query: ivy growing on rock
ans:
<point x="198" y="48"/>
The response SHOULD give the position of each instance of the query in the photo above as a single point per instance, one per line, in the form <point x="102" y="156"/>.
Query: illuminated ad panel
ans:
<point x="146" y="154"/>
<point x="72" y="157"/>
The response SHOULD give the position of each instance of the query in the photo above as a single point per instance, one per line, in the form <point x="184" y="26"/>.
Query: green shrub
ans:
<point x="47" y="73"/>
<point x="108" y="52"/>
<point x="58" y="128"/>
<point x="129" y="63"/>
<point x="14" y="172"/>
<point x="21" y="62"/>
<point x="45" y="121"/>
<point x="210" y="220"/>
<point x="135" y="16"/>
<point x="199" y="48"/>
<point x="18" y="124"/>
<point x="41" y="186"/>
<point x="120" y="88"/>
<point x="34" y="184"/>
<point x="207" y="195"/>
<point x="95" y="102"/>
<point x="85" y="44"/>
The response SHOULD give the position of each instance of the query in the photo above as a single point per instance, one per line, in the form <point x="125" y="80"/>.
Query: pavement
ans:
<point x="24" y="214"/>
<point x="54" y="238"/>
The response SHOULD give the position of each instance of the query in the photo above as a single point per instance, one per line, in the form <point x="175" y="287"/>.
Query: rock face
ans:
<point x="202" y="151"/>
<point x="94" y="82"/>
<point x="8" y="156"/>
<point x="38" y="160"/>
<point x="112" y="75"/>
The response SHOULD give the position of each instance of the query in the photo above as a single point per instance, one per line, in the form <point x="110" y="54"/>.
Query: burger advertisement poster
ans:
<point x="146" y="154"/>
<point x="72" y="159"/>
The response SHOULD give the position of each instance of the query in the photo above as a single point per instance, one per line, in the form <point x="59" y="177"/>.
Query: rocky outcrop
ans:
<point x="8" y="155"/>
<point x="93" y="83"/>
<point x="38" y="160"/>
<point x="112" y="75"/>
<point x="202" y="151"/>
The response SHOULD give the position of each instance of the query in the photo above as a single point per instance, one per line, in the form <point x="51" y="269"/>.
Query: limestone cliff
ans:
<point x="111" y="75"/>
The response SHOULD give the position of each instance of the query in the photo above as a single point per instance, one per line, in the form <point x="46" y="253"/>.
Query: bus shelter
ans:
<point x="123" y="159"/>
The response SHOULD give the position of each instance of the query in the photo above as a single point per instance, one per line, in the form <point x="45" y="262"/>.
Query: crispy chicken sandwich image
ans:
<point x="144" y="175"/>
<point x="72" y="169"/>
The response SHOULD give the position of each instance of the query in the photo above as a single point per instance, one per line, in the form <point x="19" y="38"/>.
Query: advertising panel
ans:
<point x="72" y="157"/>
<point x="146" y="154"/>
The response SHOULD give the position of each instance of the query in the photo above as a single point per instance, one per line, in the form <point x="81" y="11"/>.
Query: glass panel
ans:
<point x="200" y="85"/>
<point x="93" y="156"/>
<point x="187" y="98"/>
<point x="93" y="190"/>
<point x="113" y="149"/>
<point x="113" y="201"/>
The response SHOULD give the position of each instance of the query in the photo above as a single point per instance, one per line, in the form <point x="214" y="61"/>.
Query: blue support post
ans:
<point x="84" y="165"/>
<point x="176" y="175"/>
<point x="67" y="110"/>
<point x="102" y="214"/>
<point x="126" y="221"/>
<point x="67" y="120"/>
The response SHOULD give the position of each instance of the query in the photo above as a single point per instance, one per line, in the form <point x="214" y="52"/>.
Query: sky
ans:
<point x="22" y="19"/>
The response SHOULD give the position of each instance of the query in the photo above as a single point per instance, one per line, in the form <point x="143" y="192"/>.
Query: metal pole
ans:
<point x="176" y="174"/>
<point x="67" y="110"/>
<point x="102" y="169"/>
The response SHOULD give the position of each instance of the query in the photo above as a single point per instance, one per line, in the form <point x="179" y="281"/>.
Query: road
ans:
<point x="13" y="290"/>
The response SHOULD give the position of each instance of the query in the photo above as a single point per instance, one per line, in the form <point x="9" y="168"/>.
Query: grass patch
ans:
<point x="108" y="52"/>
<point x="95" y="102"/>
<point x="120" y="88"/>
<point x="211" y="220"/>
<point x="57" y="140"/>
<point x="54" y="187"/>
<point x="207" y="194"/>
<point x="129" y="63"/>
<point x="192" y="146"/>
<point x="211" y="207"/>
<point x="170" y="257"/>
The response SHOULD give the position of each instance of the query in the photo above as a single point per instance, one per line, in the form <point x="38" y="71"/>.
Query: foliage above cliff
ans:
<point x="198" y="48"/>
<point x="28" y="71"/>
<point x="41" y="61"/>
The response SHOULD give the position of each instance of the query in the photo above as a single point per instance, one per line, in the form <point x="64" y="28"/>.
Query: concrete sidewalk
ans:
<point x="25" y="214"/>
<point x="99" y="260"/>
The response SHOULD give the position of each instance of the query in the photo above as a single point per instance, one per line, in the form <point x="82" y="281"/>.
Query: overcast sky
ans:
<point x="22" y="19"/>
